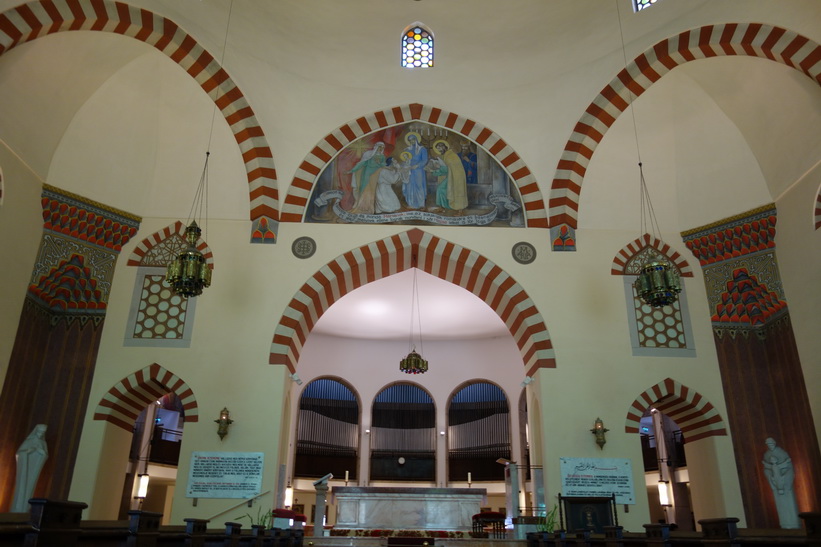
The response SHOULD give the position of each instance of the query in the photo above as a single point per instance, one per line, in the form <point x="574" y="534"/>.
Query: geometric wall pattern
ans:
<point x="438" y="257"/>
<point x="695" y="416"/>
<point x="128" y="398"/>
<point x="34" y="20"/>
<point x="751" y="39"/>
<point x="161" y="313"/>
<point x="302" y="185"/>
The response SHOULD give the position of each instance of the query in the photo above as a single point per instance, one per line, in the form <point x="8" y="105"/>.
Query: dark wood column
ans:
<point x="55" y="350"/>
<point x="761" y="373"/>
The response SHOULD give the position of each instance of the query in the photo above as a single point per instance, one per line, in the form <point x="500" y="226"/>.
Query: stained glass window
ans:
<point x="417" y="47"/>
<point x="639" y="5"/>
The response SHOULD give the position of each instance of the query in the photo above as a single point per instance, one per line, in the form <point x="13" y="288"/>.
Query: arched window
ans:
<point x="639" y="5"/>
<point x="478" y="432"/>
<point x="662" y="329"/>
<point x="417" y="47"/>
<point x="159" y="316"/>
<point x="403" y="434"/>
<point x="327" y="438"/>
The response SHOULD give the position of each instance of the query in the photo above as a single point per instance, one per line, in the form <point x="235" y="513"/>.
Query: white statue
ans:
<point x="30" y="456"/>
<point x="781" y="475"/>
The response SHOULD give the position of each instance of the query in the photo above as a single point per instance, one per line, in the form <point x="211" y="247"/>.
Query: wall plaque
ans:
<point x="598" y="477"/>
<point x="225" y="475"/>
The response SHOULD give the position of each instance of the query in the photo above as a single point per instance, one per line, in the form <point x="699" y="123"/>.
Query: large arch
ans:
<point x="300" y="190"/>
<point x="752" y="39"/>
<point x="34" y="20"/>
<point x="122" y="404"/>
<point x="693" y="413"/>
<point x="436" y="256"/>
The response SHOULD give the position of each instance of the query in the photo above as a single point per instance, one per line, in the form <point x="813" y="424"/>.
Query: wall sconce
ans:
<point x="599" y="430"/>
<point x="289" y="496"/>
<point x="223" y="423"/>
<point x="664" y="494"/>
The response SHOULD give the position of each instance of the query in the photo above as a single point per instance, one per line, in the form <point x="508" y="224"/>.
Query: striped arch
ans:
<point x="818" y="210"/>
<point x="123" y="403"/>
<point x="34" y="20"/>
<point x="156" y="238"/>
<point x="436" y="256"/>
<point x="696" y="416"/>
<point x="300" y="191"/>
<point x="633" y="248"/>
<point x="752" y="39"/>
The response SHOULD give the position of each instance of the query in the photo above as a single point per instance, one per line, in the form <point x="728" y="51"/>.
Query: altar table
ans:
<point x="387" y="508"/>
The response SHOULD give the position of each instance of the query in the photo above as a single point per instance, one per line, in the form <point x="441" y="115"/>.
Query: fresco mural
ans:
<point x="417" y="174"/>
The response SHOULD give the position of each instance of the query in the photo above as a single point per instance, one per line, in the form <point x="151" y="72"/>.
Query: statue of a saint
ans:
<point x="780" y="473"/>
<point x="31" y="456"/>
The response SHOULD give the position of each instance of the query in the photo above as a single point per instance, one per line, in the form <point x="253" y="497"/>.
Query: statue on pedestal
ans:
<point x="30" y="457"/>
<point x="779" y="471"/>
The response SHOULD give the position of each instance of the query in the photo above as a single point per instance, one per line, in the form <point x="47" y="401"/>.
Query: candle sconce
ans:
<point x="223" y="422"/>
<point x="599" y="430"/>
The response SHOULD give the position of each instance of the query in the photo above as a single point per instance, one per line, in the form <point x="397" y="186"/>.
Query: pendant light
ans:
<point x="414" y="363"/>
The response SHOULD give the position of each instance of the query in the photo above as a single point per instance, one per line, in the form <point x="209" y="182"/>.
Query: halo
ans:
<point x="443" y="141"/>
<point x="405" y="156"/>
<point x="415" y="134"/>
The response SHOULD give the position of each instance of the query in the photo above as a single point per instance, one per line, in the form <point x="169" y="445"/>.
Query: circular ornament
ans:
<point x="524" y="252"/>
<point x="303" y="247"/>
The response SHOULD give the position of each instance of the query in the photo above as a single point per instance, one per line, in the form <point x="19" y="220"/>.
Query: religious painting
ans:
<point x="298" y="508"/>
<point x="588" y="513"/>
<point x="417" y="174"/>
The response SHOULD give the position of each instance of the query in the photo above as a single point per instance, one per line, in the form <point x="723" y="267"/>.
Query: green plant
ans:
<point x="548" y="520"/>
<point x="264" y="518"/>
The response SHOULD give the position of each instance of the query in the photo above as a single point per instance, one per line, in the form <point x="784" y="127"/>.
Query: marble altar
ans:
<point x="401" y="508"/>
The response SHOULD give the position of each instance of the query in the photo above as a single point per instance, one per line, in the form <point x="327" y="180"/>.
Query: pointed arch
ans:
<point x="438" y="257"/>
<point x="34" y="20"/>
<point x="300" y="190"/>
<point x="141" y="253"/>
<point x="633" y="248"/>
<point x="122" y="404"/>
<point x="695" y="415"/>
<point x="752" y="39"/>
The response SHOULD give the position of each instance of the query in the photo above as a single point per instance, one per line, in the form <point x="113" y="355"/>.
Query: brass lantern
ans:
<point x="188" y="274"/>
<point x="658" y="284"/>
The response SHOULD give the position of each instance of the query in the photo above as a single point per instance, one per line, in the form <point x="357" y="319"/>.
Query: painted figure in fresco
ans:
<point x="30" y="456"/>
<point x="386" y="199"/>
<point x="451" y="193"/>
<point x="362" y="172"/>
<point x="416" y="190"/>
<point x="779" y="471"/>
<point x="470" y="162"/>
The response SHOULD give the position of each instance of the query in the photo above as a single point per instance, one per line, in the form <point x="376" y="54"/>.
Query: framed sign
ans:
<point x="225" y="475"/>
<point x="598" y="477"/>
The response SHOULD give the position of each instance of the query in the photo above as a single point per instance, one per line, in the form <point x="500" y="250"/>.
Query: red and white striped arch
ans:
<point x="434" y="255"/>
<point x="752" y="39"/>
<point x="123" y="403"/>
<point x="293" y="208"/>
<point x="34" y="20"/>
<point x="818" y="210"/>
<point x="694" y="414"/>
<point x="156" y="238"/>
<point x="633" y="248"/>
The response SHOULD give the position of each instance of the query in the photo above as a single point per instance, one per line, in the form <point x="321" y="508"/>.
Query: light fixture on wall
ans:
<point x="223" y="422"/>
<point x="664" y="494"/>
<point x="414" y="363"/>
<point x="599" y="430"/>
<point x="658" y="283"/>
<point x="188" y="274"/>
<point x="142" y="487"/>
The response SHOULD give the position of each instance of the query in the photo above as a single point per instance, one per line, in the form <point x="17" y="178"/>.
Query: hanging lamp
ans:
<point x="414" y="363"/>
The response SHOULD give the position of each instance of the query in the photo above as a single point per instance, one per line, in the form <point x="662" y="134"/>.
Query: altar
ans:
<point x="403" y="508"/>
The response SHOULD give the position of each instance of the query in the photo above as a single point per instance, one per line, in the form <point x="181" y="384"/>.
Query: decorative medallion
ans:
<point x="524" y="252"/>
<point x="303" y="247"/>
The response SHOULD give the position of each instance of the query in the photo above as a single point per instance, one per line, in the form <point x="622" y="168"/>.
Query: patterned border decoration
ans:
<point x="299" y="192"/>
<point x="697" y="417"/>
<point x="752" y="39"/>
<point x="34" y="20"/>
<point x="633" y="248"/>
<point x="818" y="210"/>
<point x="434" y="255"/>
<point x="123" y="403"/>
<point x="156" y="238"/>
